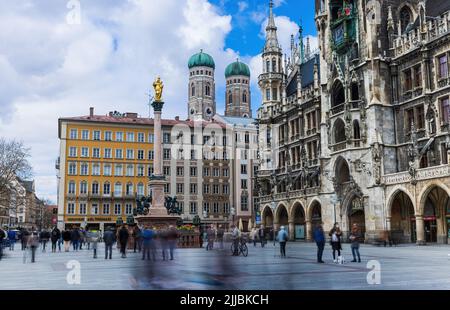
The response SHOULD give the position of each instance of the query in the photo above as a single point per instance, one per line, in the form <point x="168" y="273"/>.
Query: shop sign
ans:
<point x="89" y="219"/>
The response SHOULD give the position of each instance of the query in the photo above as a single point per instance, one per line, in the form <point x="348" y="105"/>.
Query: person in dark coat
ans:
<point x="24" y="239"/>
<point x="56" y="234"/>
<point x="355" y="238"/>
<point x="336" y="234"/>
<point x="2" y="237"/>
<point x="109" y="238"/>
<point x="75" y="237"/>
<point x="44" y="236"/>
<point x="319" y="238"/>
<point x="123" y="239"/>
<point x="262" y="235"/>
<point x="148" y="243"/>
<point x="67" y="237"/>
<point x="220" y="234"/>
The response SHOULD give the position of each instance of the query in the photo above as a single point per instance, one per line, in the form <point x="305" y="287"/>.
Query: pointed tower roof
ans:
<point x="271" y="32"/>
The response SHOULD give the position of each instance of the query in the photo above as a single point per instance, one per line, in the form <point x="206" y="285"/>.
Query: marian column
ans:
<point x="158" y="180"/>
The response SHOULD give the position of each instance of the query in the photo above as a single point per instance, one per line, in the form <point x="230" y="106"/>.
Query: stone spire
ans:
<point x="302" y="45"/>
<point x="271" y="32"/>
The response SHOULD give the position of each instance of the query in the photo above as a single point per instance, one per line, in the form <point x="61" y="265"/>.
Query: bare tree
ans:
<point x="43" y="214"/>
<point x="13" y="165"/>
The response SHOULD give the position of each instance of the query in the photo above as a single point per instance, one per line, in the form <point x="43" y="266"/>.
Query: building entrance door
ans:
<point x="431" y="230"/>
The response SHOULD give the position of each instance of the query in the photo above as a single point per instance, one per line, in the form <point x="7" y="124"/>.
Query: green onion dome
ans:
<point x="237" y="68"/>
<point x="201" y="60"/>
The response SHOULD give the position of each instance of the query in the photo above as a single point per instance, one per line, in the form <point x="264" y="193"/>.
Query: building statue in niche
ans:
<point x="376" y="156"/>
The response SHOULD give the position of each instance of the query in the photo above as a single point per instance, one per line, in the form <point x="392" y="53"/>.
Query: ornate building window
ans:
<point x="405" y="18"/>
<point x="230" y="97"/>
<point x="192" y="90"/>
<point x="208" y="90"/>
<point x="244" y="97"/>
<point x="356" y="130"/>
<point x="338" y="94"/>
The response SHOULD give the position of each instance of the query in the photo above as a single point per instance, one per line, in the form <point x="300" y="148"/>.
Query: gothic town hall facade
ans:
<point x="359" y="131"/>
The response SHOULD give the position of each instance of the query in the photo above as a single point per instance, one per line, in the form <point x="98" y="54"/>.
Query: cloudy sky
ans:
<point x="60" y="57"/>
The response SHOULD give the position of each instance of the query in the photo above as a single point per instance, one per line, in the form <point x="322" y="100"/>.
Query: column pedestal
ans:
<point x="309" y="231"/>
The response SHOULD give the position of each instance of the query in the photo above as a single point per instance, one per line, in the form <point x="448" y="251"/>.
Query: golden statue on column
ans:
<point x="158" y="86"/>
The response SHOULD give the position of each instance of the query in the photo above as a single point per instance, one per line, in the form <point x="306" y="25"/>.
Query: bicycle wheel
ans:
<point x="244" y="250"/>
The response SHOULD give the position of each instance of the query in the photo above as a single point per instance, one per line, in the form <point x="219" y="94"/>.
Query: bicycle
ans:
<point x="242" y="248"/>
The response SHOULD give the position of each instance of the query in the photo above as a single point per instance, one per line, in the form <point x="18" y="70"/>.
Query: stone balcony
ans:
<point x="415" y="38"/>
<point x="292" y="195"/>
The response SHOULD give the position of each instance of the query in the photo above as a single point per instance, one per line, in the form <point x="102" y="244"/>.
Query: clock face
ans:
<point x="192" y="111"/>
<point x="208" y="111"/>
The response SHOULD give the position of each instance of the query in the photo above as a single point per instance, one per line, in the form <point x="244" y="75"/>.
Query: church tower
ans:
<point x="202" y="87"/>
<point x="270" y="81"/>
<point x="238" y="102"/>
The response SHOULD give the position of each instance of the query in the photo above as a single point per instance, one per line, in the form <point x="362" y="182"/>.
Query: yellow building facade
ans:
<point x="104" y="165"/>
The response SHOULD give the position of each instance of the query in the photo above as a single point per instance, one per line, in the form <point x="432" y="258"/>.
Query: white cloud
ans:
<point x="49" y="69"/>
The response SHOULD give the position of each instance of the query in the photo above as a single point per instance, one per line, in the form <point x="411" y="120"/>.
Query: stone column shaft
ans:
<point x="309" y="231"/>
<point x="420" y="230"/>
<point x="158" y="144"/>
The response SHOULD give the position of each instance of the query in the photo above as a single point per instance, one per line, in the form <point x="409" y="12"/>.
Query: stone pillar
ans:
<point x="292" y="231"/>
<point x="420" y="230"/>
<point x="158" y="180"/>
<point x="309" y="231"/>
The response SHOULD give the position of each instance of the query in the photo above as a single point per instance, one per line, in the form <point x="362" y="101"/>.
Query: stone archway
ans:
<point x="297" y="223"/>
<point x="267" y="217"/>
<point x="314" y="218"/>
<point x="281" y="218"/>
<point x="356" y="215"/>
<point x="402" y="219"/>
<point x="435" y="212"/>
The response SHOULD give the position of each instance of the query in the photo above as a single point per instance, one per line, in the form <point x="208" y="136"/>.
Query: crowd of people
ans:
<point x="146" y="240"/>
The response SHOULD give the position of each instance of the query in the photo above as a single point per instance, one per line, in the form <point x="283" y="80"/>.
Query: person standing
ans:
<point x="220" y="234"/>
<point x="45" y="237"/>
<point x="109" y="239"/>
<point x="24" y="238"/>
<point x="123" y="239"/>
<point x="355" y="238"/>
<point x="172" y="239"/>
<point x="33" y="244"/>
<point x="319" y="238"/>
<point x="262" y="236"/>
<point x="211" y="235"/>
<point x="12" y="239"/>
<point x="82" y="238"/>
<point x="55" y="236"/>
<point x="282" y="239"/>
<point x="254" y="236"/>
<point x="67" y="237"/>
<point x="336" y="234"/>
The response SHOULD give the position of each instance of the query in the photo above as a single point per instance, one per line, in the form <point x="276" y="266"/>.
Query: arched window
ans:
<point x="244" y="97"/>
<point x="230" y="97"/>
<point x="274" y="64"/>
<point x="405" y="18"/>
<point x="268" y="94"/>
<point x="106" y="188"/>
<point x="337" y="94"/>
<point x="118" y="189"/>
<point x="355" y="91"/>
<point x="208" y="90"/>
<point x="339" y="131"/>
<point x="267" y="66"/>
<point x="356" y="130"/>
<point x="192" y="90"/>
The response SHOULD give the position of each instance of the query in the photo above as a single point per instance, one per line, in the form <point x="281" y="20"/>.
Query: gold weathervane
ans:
<point x="158" y="86"/>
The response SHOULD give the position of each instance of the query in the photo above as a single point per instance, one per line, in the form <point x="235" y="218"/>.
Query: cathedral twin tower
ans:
<point x="202" y="89"/>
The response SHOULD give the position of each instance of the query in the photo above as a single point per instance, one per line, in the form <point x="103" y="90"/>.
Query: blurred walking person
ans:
<point x="55" y="236"/>
<point x="2" y="237"/>
<point x="82" y="238"/>
<point x="211" y="235"/>
<point x="137" y="236"/>
<point x="44" y="236"/>
<point x="172" y="239"/>
<point x="33" y="244"/>
<point x="109" y="239"/>
<point x="67" y="237"/>
<point x="236" y="237"/>
<point x="75" y="238"/>
<point x="254" y="236"/>
<point x="12" y="239"/>
<point x="282" y="238"/>
<point x="262" y="236"/>
<point x="94" y="236"/>
<point x="220" y="234"/>
<point x="24" y="238"/>
<point x="355" y="238"/>
<point x="123" y="239"/>
<point x="163" y="239"/>
<point x="147" y="242"/>
<point x="319" y="238"/>
<point x="60" y="242"/>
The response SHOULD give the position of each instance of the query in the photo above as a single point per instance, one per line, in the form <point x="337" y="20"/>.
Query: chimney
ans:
<point x="177" y="118"/>
<point x="91" y="112"/>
